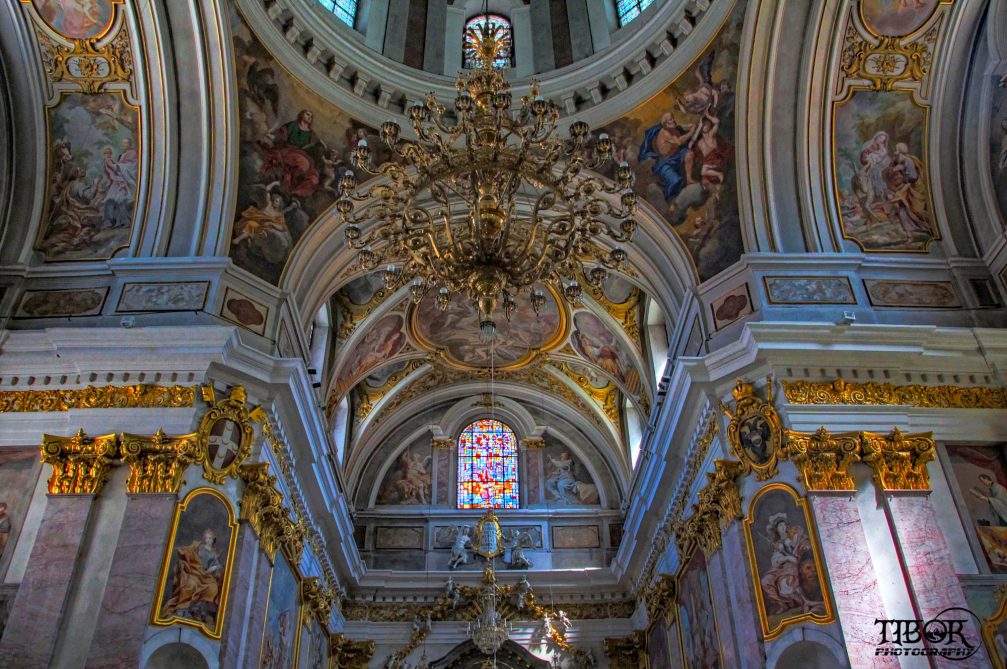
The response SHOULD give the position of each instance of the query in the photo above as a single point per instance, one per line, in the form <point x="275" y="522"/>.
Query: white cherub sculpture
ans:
<point x="459" y="554"/>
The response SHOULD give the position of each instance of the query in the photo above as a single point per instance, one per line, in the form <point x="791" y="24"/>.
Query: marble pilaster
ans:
<point x="240" y="599"/>
<point x="580" y="29"/>
<point x="854" y="580"/>
<point x="524" y="50"/>
<point x="442" y="476"/>
<point x="377" y="17"/>
<point x="722" y="607"/>
<point x="533" y="477"/>
<point x="34" y="623"/>
<point x="255" y="615"/>
<point x="434" y="47"/>
<point x="597" y="14"/>
<point x="741" y="600"/>
<point x="926" y="561"/>
<point x="132" y="582"/>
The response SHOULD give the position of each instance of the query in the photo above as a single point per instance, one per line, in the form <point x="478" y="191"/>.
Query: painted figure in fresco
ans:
<point x="75" y="18"/>
<point x="118" y="182"/>
<point x="667" y="144"/>
<point x="563" y="484"/>
<point x="459" y="554"/>
<point x="782" y="584"/>
<point x="5" y="527"/>
<point x="278" y="649"/>
<point x="196" y="581"/>
<point x="413" y="483"/>
<point x="289" y="157"/>
<point x="993" y="494"/>
<point x="268" y="220"/>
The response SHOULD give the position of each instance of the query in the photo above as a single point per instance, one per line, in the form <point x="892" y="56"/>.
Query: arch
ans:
<point x="498" y="24"/>
<point x="182" y="642"/>
<point x="488" y="466"/>
<point x="809" y="654"/>
<point x="173" y="655"/>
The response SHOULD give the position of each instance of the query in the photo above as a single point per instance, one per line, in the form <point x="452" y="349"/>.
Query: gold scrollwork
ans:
<point x="368" y="396"/>
<point x="157" y="463"/>
<point x="882" y="394"/>
<point x="718" y="504"/>
<point x="98" y="397"/>
<point x="227" y="432"/>
<point x="886" y="63"/>
<point x="317" y="600"/>
<point x="899" y="460"/>
<point x="823" y="459"/>
<point x="755" y="433"/>
<point x="80" y="463"/>
<point x="89" y="63"/>
<point x="661" y="596"/>
<point x="626" y="313"/>
<point x="607" y="396"/>
<point x="345" y="653"/>
<point x="442" y="443"/>
<point x="992" y="628"/>
<point x="532" y="443"/>
<point x="262" y="506"/>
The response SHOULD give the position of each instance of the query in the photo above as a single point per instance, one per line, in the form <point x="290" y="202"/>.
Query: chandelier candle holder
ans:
<point x="490" y="629"/>
<point x="489" y="202"/>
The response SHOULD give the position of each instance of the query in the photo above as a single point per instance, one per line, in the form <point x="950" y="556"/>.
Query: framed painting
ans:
<point x="995" y="635"/>
<point x="696" y="617"/>
<point x="787" y="569"/>
<point x="282" y="630"/>
<point x="197" y="565"/>
<point x="314" y="647"/>
<point x="657" y="644"/>
<point x="980" y="472"/>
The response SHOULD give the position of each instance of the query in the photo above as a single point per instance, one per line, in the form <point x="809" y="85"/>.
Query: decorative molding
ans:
<point x="660" y="596"/>
<point x="80" y="464"/>
<point x="157" y="463"/>
<point x="872" y="393"/>
<point x="98" y="397"/>
<point x="346" y="653"/>
<point x="823" y="459"/>
<point x="899" y="460"/>
<point x="89" y="63"/>
<point x="755" y="433"/>
<point x="628" y="652"/>
<point x="262" y="506"/>
<point x="889" y="61"/>
<point x="317" y="601"/>
<point x="532" y="444"/>
<point x="718" y="504"/>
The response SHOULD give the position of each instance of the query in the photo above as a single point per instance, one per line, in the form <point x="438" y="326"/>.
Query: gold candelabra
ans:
<point x="489" y="202"/>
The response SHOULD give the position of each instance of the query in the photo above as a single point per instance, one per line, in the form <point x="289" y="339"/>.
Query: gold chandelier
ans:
<point x="491" y="202"/>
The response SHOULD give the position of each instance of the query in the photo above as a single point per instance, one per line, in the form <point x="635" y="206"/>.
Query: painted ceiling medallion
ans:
<point x="453" y="333"/>
<point x="492" y="203"/>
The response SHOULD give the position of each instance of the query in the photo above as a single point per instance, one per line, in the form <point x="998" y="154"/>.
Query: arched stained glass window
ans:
<point x="630" y="9"/>
<point x="346" y="10"/>
<point x="487" y="466"/>
<point x="471" y="53"/>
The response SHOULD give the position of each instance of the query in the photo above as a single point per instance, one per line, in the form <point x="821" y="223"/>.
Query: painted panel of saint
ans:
<point x="314" y="650"/>
<point x="223" y="443"/>
<point x="881" y="174"/>
<point x="787" y="570"/>
<point x="599" y="345"/>
<point x="197" y="568"/>
<point x="981" y="473"/>
<point x="700" y="640"/>
<point x="409" y="480"/>
<point x="76" y="19"/>
<point x="283" y="613"/>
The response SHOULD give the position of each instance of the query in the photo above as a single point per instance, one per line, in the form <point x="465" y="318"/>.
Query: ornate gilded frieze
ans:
<point x="157" y="463"/>
<point x="349" y="654"/>
<point x="885" y="61"/>
<point x="80" y="463"/>
<point x="98" y="397"/>
<point x="89" y="63"/>
<point x="628" y="652"/>
<point x="442" y="443"/>
<point x="227" y="431"/>
<point x="899" y="460"/>
<point x="718" y="504"/>
<point x="823" y="459"/>
<point x="872" y="393"/>
<point x="755" y="433"/>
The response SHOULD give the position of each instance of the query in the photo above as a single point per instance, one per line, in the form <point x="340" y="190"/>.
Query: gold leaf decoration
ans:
<point x="98" y="397"/>
<point x="885" y="394"/>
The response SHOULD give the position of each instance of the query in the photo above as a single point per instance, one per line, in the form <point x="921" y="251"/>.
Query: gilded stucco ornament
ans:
<point x="92" y="64"/>
<point x="346" y="653"/>
<point x="157" y="463"/>
<point x="488" y="539"/>
<point x="442" y="443"/>
<point x="317" y="599"/>
<point x="660" y="597"/>
<point x="262" y="506"/>
<point x="899" y="460"/>
<point x="98" y="397"/>
<point x="227" y="431"/>
<point x="755" y="433"/>
<point x="888" y="61"/>
<point x="80" y="463"/>
<point x="532" y="444"/>
<point x="993" y="627"/>
<point x="628" y="652"/>
<point x="882" y="394"/>
<point x="607" y="397"/>
<point x="823" y="459"/>
<point x="718" y="504"/>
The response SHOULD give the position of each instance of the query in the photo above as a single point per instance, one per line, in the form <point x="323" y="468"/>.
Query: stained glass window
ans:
<point x="471" y="53"/>
<point x="487" y="466"/>
<point x="630" y="9"/>
<point x="346" y="10"/>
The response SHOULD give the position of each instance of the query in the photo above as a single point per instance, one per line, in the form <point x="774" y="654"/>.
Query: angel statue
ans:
<point x="451" y="592"/>
<point x="462" y="540"/>
<point x="521" y="591"/>
<point x="515" y="542"/>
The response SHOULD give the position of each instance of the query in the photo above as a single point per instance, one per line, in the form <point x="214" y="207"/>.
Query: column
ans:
<point x="531" y="449"/>
<point x="435" y="45"/>
<point x="541" y="19"/>
<point x="598" y="16"/>
<point x="454" y="29"/>
<point x="377" y="20"/>
<point x="79" y="470"/>
<point x="442" y="448"/>
<point x="580" y="29"/>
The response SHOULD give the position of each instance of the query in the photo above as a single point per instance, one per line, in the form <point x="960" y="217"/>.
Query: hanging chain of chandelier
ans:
<point x="491" y="203"/>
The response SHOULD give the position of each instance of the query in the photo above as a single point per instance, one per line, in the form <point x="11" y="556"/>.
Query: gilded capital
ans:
<point x="317" y="600"/>
<point x="899" y="460"/>
<point x="157" y="463"/>
<point x="660" y="597"/>
<point x="262" y="506"/>
<point x="80" y="463"/>
<point x="718" y="504"/>
<point x="442" y="442"/>
<point x="823" y="459"/>
<point x="532" y="443"/>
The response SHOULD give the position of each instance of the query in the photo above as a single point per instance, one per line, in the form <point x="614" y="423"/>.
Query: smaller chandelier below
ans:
<point x="490" y="630"/>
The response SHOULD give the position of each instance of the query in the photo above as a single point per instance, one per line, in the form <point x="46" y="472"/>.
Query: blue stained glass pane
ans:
<point x="630" y="9"/>
<point x="487" y="467"/>
<point x="345" y="10"/>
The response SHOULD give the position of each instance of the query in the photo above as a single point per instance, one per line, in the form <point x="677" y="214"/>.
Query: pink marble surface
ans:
<point x="741" y="601"/>
<point x="534" y="483"/>
<point x="256" y="620"/>
<point x="927" y="562"/>
<point x="237" y="599"/>
<point x="132" y="582"/>
<point x="854" y="581"/>
<point x="30" y="636"/>
<point x="443" y="492"/>
<point x="722" y="608"/>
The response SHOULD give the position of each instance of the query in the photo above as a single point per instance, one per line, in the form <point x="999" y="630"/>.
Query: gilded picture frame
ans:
<point x="755" y="432"/>
<point x="158" y="616"/>
<point x="996" y="651"/>
<point x="489" y="536"/>
<point x="771" y="630"/>
<point x="228" y="434"/>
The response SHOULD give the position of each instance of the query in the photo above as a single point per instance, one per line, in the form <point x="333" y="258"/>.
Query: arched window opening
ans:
<point x="470" y="52"/>
<point x="630" y="9"/>
<point x="345" y="10"/>
<point x="487" y="466"/>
